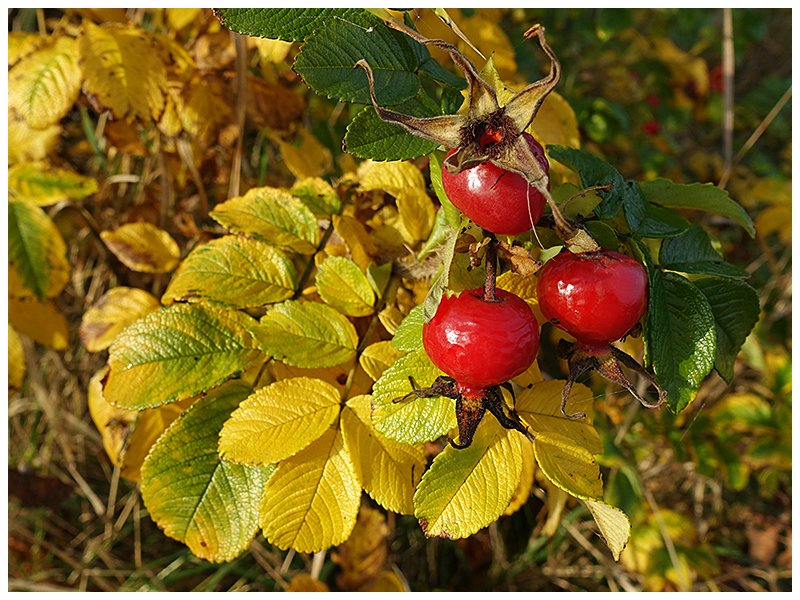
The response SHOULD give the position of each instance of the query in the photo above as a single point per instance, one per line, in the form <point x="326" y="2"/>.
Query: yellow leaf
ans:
<point x="556" y="123"/>
<point x="143" y="247"/>
<point x="569" y="466"/>
<point x="21" y="44"/>
<point x="122" y="71"/>
<point x="311" y="501"/>
<point x="104" y="15"/>
<point x="523" y="490"/>
<point x="26" y="144"/>
<point x="388" y="471"/>
<point x="613" y="524"/>
<point x="41" y="321"/>
<point x="279" y="420"/>
<point x="392" y="176"/>
<point x="556" y="502"/>
<point x="489" y="37"/>
<point x="417" y="214"/>
<point x="336" y="376"/>
<point x="352" y="231"/>
<point x="342" y="285"/>
<point x="378" y="357"/>
<point x="204" y="106"/>
<point x="306" y="583"/>
<point x="273" y="51"/>
<point x="118" y="308"/>
<point x="271" y="105"/>
<point x="114" y="424"/>
<point x="362" y="556"/>
<point x="16" y="359"/>
<point x="391" y="317"/>
<point x="43" y="86"/>
<point x="525" y="288"/>
<point x="776" y="219"/>
<point x="308" y="158"/>
<point x="178" y="18"/>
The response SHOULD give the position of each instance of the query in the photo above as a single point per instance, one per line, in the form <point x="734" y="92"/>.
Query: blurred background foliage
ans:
<point x="708" y="491"/>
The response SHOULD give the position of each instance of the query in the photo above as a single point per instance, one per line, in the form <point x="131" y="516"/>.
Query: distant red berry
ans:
<point x="651" y="127"/>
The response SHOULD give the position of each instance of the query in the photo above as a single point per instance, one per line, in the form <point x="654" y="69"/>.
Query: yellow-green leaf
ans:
<point x="43" y="86"/>
<point x="122" y="71"/>
<point x="388" y="471"/>
<point x="233" y="271"/>
<point x="41" y="321"/>
<point x="311" y="501"/>
<point x="28" y="144"/>
<point x="272" y="215"/>
<point x="307" y="334"/>
<point x="143" y="247"/>
<point x="279" y="420"/>
<point x="37" y="254"/>
<point x="568" y="465"/>
<point x="209" y="505"/>
<point x="44" y="184"/>
<point x="413" y="420"/>
<point x="613" y="524"/>
<point x="318" y="195"/>
<point x="176" y="353"/>
<point x="342" y="285"/>
<point x="392" y="176"/>
<point x="466" y="490"/>
<point x="378" y="357"/>
<point x="118" y="308"/>
<point x="16" y="359"/>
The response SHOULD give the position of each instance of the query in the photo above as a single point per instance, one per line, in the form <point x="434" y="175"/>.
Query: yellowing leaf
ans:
<point x="466" y="490"/>
<point x="523" y="491"/>
<point x="385" y="581"/>
<point x="122" y="71"/>
<point x="342" y="285"/>
<point x="417" y="213"/>
<point x="272" y="106"/>
<point x="143" y="247"/>
<point x="43" y="86"/>
<point x="308" y="158"/>
<point x="41" y="321"/>
<point x="204" y="107"/>
<point x="278" y="421"/>
<point x="378" y="357"/>
<point x="272" y="215"/>
<point x="318" y="195"/>
<point x="118" y="308"/>
<point x="235" y="272"/>
<point x="21" y="44"/>
<point x="362" y="556"/>
<point x="16" y="359"/>
<point x="392" y="176"/>
<point x="358" y="242"/>
<point x="389" y="472"/>
<point x="556" y="123"/>
<point x="311" y="501"/>
<point x="337" y="376"/>
<point x="613" y="524"/>
<point x="114" y="424"/>
<point x="44" y="185"/>
<point x="569" y="466"/>
<point x="26" y="144"/>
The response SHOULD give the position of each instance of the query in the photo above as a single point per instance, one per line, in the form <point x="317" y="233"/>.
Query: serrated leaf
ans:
<point x="118" y="308"/>
<point x="43" y="86"/>
<point x="176" y="353"/>
<point x="413" y="420"/>
<point x="736" y="309"/>
<point x="37" y="254"/>
<point x="389" y="472"/>
<point x="16" y="359"/>
<point x="273" y="216"/>
<point x="692" y="252"/>
<point x="233" y="272"/>
<point x="44" y="184"/>
<point x="342" y="285"/>
<point x="466" y="490"/>
<point x="378" y="357"/>
<point x="288" y="24"/>
<point x="307" y="334"/>
<point x="408" y="336"/>
<point x="701" y="196"/>
<point x="41" y="321"/>
<point x="318" y="195"/>
<point x="143" y="247"/>
<point x="122" y="71"/>
<point x="368" y="136"/>
<point x="278" y="421"/>
<point x="614" y="525"/>
<point x="680" y="337"/>
<point x="311" y="501"/>
<point x="569" y="466"/>
<point x="209" y="505"/>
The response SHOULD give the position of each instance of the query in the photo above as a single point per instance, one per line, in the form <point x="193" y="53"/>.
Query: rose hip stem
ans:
<point x="490" y="279"/>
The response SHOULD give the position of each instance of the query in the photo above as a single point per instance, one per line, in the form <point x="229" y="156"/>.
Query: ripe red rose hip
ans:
<point x="479" y="343"/>
<point x="495" y="199"/>
<point x="597" y="297"/>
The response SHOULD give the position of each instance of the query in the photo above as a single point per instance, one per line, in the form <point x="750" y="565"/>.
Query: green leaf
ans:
<point x="307" y="334"/>
<point x="408" y="337"/>
<point x="273" y="216"/>
<point x="287" y="24"/>
<point x="680" y="337"/>
<point x="661" y="222"/>
<point x="327" y="59"/>
<point x="451" y="212"/>
<point x="431" y="67"/>
<point x="234" y="272"/>
<point x="342" y="285"/>
<point x="176" y="353"/>
<point x="44" y="185"/>
<point x="602" y="234"/>
<point x="379" y="277"/>
<point x="413" y="420"/>
<point x="209" y="505"/>
<point x="37" y="254"/>
<point x="702" y="196"/>
<point x="692" y="252"/>
<point x="736" y="309"/>
<point x="368" y="136"/>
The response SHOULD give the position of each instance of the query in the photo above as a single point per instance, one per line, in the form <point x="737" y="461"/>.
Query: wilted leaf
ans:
<point x="279" y="420"/>
<point x="204" y="106"/>
<point x="378" y="357"/>
<point x="362" y="556"/>
<point x="417" y="213"/>
<point x="143" y="247"/>
<point x="41" y="321"/>
<point x="342" y="285"/>
<point x="306" y="157"/>
<point x="23" y="43"/>
<point x="178" y="18"/>
<point x="271" y="105"/>
<point x="234" y="272"/>
<point x="209" y="505"/>
<point x="176" y="353"/>
<point x="43" y="86"/>
<point x="311" y="501"/>
<point x="16" y="359"/>
<point x="389" y="472"/>
<point x="118" y="308"/>
<point x="114" y="424"/>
